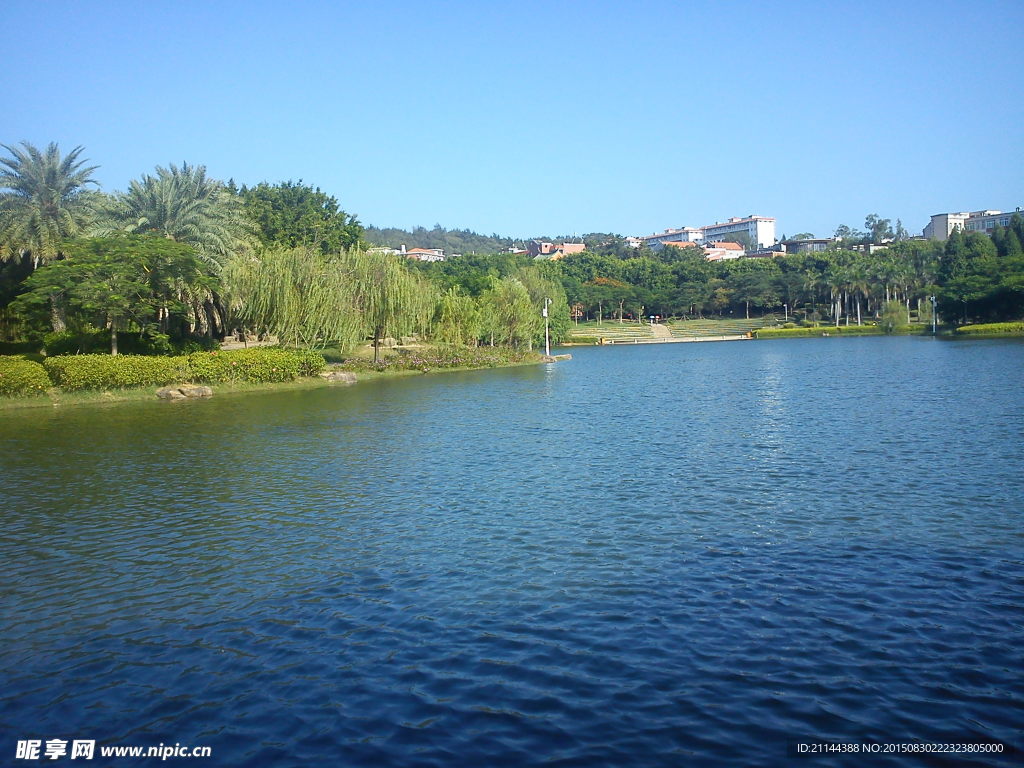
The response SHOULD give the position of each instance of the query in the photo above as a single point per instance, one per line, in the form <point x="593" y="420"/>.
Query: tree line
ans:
<point x="181" y="256"/>
<point x="973" y="277"/>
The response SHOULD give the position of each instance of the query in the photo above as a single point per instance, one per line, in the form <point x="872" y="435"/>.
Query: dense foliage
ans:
<point x="452" y="241"/>
<point x="441" y="357"/>
<point x="294" y="214"/>
<point x="20" y="377"/>
<point x="256" y="366"/>
<point x="183" y="260"/>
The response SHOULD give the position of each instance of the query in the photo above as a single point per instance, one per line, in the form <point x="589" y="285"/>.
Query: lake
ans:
<point x="657" y="555"/>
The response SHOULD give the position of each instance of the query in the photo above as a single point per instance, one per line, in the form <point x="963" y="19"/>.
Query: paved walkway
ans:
<point x="661" y="331"/>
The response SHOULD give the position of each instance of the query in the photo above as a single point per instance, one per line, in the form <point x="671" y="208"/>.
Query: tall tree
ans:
<point x="183" y="204"/>
<point x="44" y="199"/>
<point x="879" y="229"/>
<point x="302" y="296"/>
<point x="390" y="298"/>
<point x="119" y="280"/>
<point x="295" y="214"/>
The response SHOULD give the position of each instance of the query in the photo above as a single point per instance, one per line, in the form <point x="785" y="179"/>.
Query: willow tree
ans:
<point x="543" y="286"/>
<point x="458" y="319"/>
<point x="509" y="314"/>
<point x="390" y="298"/>
<point x="300" y="295"/>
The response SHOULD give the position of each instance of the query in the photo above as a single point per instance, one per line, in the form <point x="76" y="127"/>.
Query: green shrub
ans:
<point x="73" y="372"/>
<point x="821" y="330"/>
<point x="256" y="366"/>
<point x="443" y="357"/>
<point x="310" y="363"/>
<point x="582" y="340"/>
<point x="20" y="377"/>
<point x="991" y="329"/>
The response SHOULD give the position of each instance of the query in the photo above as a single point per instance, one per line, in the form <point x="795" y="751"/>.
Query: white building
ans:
<point x="424" y="254"/>
<point x="986" y="221"/>
<point x="942" y="224"/>
<point x="682" y="235"/>
<point x="760" y="230"/>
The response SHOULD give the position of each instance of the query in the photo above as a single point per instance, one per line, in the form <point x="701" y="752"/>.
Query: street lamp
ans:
<point x="933" y="314"/>
<point x="547" y="334"/>
<point x="786" y="307"/>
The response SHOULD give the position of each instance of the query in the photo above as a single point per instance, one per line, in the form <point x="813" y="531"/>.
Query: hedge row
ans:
<point x="77" y="372"/>
<point x="20" y="377"/>
<point x="821" y="330"/>
<point x="443" y="357"/>
<point x="991" y="329"/>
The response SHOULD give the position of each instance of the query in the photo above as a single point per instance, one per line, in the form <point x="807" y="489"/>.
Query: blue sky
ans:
<point x="529" y="118"/>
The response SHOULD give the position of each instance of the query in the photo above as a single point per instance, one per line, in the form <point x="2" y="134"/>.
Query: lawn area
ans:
<point x="613" y="330"/>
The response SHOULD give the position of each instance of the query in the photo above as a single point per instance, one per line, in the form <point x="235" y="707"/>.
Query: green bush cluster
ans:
<point x="310" y="363"/>
<point x="821" y="330"/>
<point x="74" y="372"/>
<point x="831" y="330"/>
<point x="583" y="340"/>
<point x="991" y="329"/>
<point x="20" y="377"/>
<point x="259" y="365"/>
<point x="443" y="357"/>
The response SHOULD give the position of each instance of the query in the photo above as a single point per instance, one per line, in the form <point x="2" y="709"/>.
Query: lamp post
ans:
<point x="933" y="314"/>
<point x="786" y="307"/>
<point x="547" y="335"/>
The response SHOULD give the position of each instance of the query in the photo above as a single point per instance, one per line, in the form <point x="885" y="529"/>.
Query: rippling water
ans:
<point x="656" y="555"/>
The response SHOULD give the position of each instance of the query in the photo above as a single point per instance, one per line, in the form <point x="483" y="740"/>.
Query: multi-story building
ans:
<point x="760" y="230"/>
<point x="986" y="221"/>
<point x="682" y="235"/>
<point x="942" y="224"/>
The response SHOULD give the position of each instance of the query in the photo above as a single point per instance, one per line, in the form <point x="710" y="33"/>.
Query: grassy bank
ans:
<point x="991" y="329"/>
<point x="831" y="330"/>
<point x="394" y="365"/>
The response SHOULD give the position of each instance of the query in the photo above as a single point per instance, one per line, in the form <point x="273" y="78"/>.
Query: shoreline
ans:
<point x="148" y="394"/>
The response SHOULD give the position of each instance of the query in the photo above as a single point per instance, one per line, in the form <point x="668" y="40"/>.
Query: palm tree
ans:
<point x="184" y="205"/>
<point x="858" y="276"/>
<point x="43" y="201"/>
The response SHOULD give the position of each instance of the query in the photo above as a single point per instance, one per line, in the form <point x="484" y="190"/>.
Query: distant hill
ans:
<point x="451" y="240"/>
<point x="466" y="242"/>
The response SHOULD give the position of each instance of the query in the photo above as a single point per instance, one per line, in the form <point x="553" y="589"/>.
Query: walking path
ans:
<point x="670" y="339"/>
<point x="661" y="331"/>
